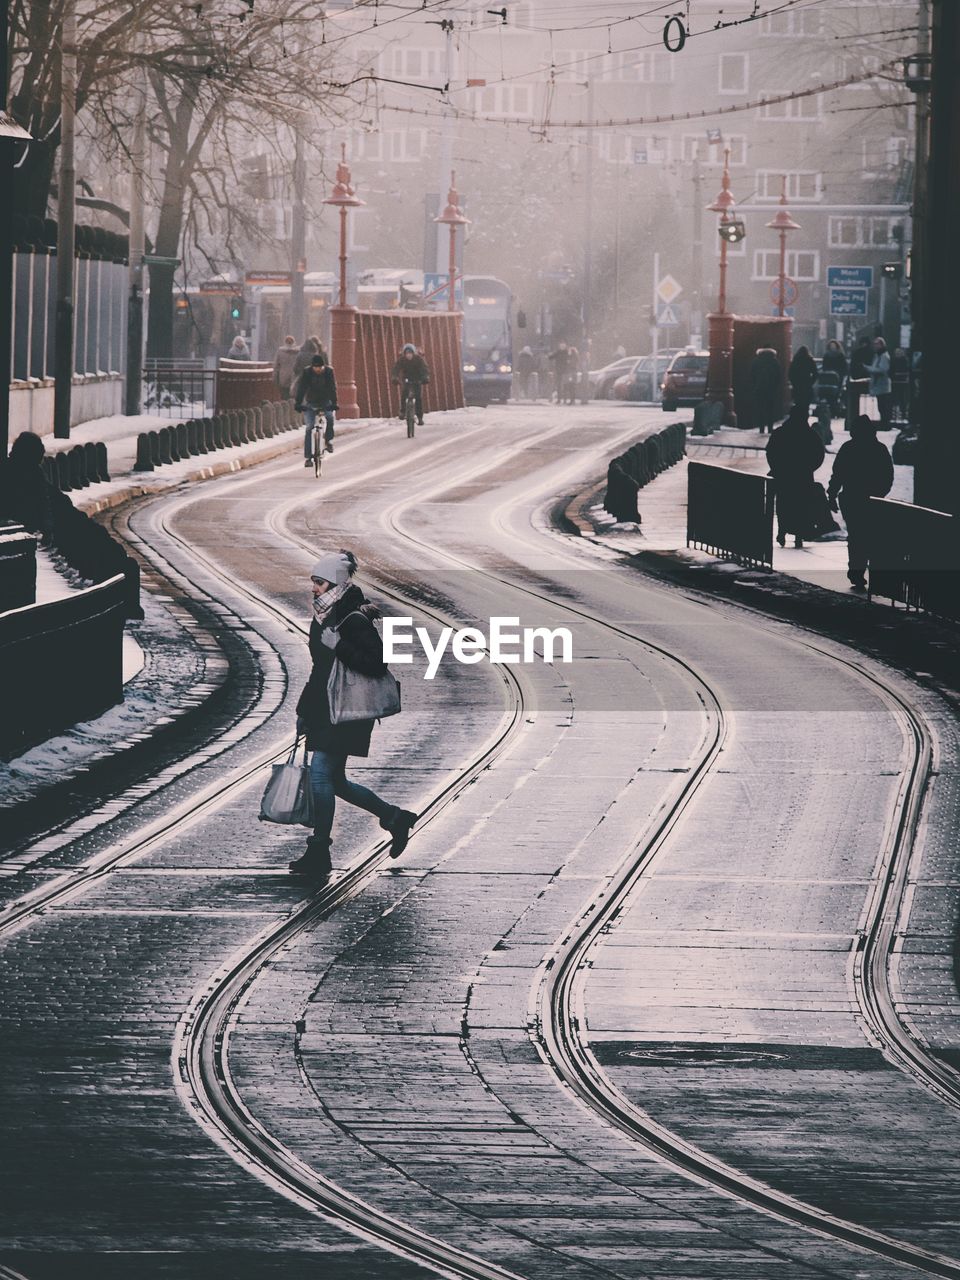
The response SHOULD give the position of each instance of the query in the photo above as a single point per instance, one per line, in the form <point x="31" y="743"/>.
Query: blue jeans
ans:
<point x="310" y="412"/>
<point x="328" y="775"/>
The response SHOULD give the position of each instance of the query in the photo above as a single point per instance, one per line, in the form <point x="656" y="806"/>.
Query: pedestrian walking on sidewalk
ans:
<point x="794" y="452"/>
<point x="342" y="626"/>
<point x="880" y="384"/>
<point x="766" y="387"/>
<point x="283" y="366"/>
<point x="316" y="392"/>
<point x="238" y="349"/>
<point x="862" y="469"/>
<point x="525" y="367"/>
<point x="802" y="374"/>
<point x="560" y="359"/>
<point x="858" y="379"/>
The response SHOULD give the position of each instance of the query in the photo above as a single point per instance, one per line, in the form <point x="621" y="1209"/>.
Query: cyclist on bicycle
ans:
<point x="411" y="367"/>
<point x="316" y="392"/>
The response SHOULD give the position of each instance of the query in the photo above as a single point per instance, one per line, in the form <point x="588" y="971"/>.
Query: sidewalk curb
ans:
<point x="92" y="506"/>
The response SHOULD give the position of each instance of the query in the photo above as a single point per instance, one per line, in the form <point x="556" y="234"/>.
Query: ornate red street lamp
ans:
<point x="720" y="322"/>
<point x="453" y="217"/>
<point x="343" y="327"/>
<point x="783" y="223"/>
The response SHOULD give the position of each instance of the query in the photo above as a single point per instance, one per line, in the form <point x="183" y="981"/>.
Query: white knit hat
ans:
<point x="335" y="567"/>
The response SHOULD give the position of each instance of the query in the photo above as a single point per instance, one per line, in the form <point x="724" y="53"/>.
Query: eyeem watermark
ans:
<point x="507" y="643"/>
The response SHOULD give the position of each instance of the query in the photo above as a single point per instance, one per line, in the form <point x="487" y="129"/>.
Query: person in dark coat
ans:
<point x="26" y="496"/>
<point x="309" y="348"/>
<point x="858" y="378"/>
<point x="316" y="392"/>
<point x="560" y="360"/>
<point x="766" y="388"/>
<point x="411" y="367"/>
<point x="341" y="627"/>
<point x="802" y="374"/>
<point x="794" y="452"/>
<point x="834" y="361"/>
<point x="900" y="380"/>
<point x="862" y="469"/>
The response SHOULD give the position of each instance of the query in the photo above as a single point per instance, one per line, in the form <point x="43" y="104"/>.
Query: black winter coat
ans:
<point x="415" y="369"/>
<point x="862" y="470"/>
<point x="361" y="648"/>
<point x="318" y="389"/>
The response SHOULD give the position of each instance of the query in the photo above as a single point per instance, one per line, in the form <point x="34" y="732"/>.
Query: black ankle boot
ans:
<point x="314" y="862"/>
<point x="399" y="826"/>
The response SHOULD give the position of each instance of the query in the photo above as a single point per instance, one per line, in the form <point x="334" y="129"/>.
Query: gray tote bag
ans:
<point x="354" y="696"/>
<point x="289" y="794"/>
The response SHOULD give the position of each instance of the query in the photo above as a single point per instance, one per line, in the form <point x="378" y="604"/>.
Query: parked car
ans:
<point x="685" y="380"/>
<point x="642" y="382"/>
<point x="602" y="380"/>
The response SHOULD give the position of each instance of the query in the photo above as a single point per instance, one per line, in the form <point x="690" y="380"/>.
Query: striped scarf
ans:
<point x="323" y="606"/>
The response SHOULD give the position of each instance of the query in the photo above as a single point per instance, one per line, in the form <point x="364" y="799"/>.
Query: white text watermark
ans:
<point x="507" y="642"/>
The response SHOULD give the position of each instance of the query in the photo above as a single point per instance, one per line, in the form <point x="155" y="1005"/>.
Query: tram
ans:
<point x="487" y="340"/>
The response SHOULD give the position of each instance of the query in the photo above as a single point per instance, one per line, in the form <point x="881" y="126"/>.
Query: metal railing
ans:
<point x="730" y="514"/>
<point x="914" y="556"/>
<point x="178" y="388"/>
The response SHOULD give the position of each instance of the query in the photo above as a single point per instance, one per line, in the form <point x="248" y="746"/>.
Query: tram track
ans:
<point x="201" y="1048"/>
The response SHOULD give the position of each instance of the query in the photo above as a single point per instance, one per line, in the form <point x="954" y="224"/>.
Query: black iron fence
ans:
<point x="642" y="462"/>
<point x="730" y="514"/>
<point x="60" y="663"/>
<point x="915" y="557"/>
<point x="179" y="388"/>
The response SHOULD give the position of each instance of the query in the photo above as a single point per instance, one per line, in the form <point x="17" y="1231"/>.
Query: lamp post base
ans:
<point x="720" y="370"/>
<point x="343" y="357"/>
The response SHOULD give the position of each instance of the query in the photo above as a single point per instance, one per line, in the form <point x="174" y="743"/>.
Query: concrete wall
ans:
<point x="94" y="396"/>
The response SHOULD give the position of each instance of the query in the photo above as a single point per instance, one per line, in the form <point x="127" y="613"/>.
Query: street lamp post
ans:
<point x="452" y="217"/>
<point x="783" y="223"/>
<point x="343" y="327"/>
<point x="720" y="322"/>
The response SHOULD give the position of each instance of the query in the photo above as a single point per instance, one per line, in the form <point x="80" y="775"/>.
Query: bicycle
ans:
<point x="410" y="405"/>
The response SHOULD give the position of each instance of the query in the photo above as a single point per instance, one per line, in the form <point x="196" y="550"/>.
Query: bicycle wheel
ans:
<point x="317" y="452"/>
<point x="411" y="415"/>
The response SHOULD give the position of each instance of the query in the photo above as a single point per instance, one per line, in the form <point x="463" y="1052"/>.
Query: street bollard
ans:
<point x="63" y="472"/>
<point x="174" y="449"/>
<point x="103" y="466"/>
<point x="90" y="462"/>
<point x="180" y="435"/>
<point x="144" y="460"/>
<point x="233" y="423"/>
<point x="193" y="444"/>
<point x="154" y="439"/>
<point x="163" y="439"/>
<point x="78" y="467"/>
<point x="205" y="435"/>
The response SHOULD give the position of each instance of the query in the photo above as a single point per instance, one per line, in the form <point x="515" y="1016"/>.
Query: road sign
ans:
<point x="668" y="289"/>
<point x="639" y="156"/>
<point x="436" y="292"/>
<point x="666" y="315"/>
<point x="850" y="277"/>
<point x="268" y="277"/>
<point x="848" y="302"/>
<point x="790" y="291"/>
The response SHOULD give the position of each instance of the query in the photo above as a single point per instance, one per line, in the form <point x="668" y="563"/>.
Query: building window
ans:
<point x="863" y="232"/>
<point x="797" y="109"/>
<point x="709" y="151"/>
<point x="882" y="155"/>
<point x="644" y="67"/>
<point x="802" y="185"/>
<point x="635" y="148"/>
<point x="504" y="100"/>
<point x="792" y="22"/>
<point x="801" y="264"/>
<point x="733" y="73"/>
<point x="419" y="65"/>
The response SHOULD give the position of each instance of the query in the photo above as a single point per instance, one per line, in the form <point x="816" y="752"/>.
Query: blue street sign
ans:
<point x="787" y="311"/>
<point x="848" y="302"/>
<point x="436" y="290"/>
<point x="666" y="314"/>
<point x="850" y="277"/>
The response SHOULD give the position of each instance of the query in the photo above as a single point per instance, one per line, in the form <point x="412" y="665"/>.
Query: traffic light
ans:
<point x="236" y="309"/>
<point x="892" y="270"/>
<point x="182" y="307"/>
<point x="732" y="231"/>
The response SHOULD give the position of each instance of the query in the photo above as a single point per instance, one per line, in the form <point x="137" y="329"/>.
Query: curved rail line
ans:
<point x="556" y="1027"/>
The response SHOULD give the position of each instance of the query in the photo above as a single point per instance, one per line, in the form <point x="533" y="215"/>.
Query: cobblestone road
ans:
<point x="393" y="1046"/>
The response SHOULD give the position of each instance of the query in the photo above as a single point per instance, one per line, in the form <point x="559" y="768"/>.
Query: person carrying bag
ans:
<point x="349" y="688"/>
